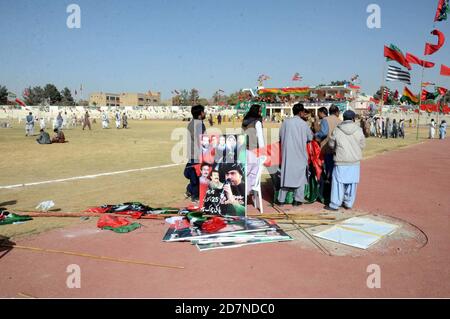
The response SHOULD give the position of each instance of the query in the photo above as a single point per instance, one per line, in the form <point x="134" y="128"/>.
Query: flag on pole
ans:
<point x="425" y="84"/>
<point x="428" y="95"/>
<point x="442" y="11"/>
<point x="445" y="70"/>
<point x="396" y="95"/>
<point x="397" y="74"/>
<point x="386" y="92"/>
<point x="296" y="77"/>
<point x="441" y="90"/>
<point x="354" y="78"/>
<point x="393" y="53"/>
<point x="408" y="96"/>
<point x="415" y="60"/>
<point x="433" y="48"/>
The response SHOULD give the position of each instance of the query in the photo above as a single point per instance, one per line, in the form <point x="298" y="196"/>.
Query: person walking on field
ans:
<point x="117" y="120"/>
<point x="86" y="121"/>
<point x="29" y="125"/>
<point x="348" y="142"/>
<point x="125" y="120"/>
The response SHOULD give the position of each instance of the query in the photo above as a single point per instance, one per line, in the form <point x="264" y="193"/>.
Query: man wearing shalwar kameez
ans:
<point x="348" y="142"/>
<point x="294" y="134"/>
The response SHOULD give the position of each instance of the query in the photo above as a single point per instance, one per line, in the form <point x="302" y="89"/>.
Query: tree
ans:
<point x="176" y="100"/>
<point x="35" y="96"/>
<point x="194" y="97"/>
<point x="67" y="99"/>
<point x="233" y="98"/>
<point x="3" y="94"/>
<point x="184" y="97"/>
<point x="52" y="94"/>
<point x="390" y="98"/>
<point x="202" y="101"/>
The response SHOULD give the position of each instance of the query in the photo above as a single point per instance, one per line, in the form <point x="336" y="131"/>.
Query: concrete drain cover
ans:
<point x="405" y="240"/>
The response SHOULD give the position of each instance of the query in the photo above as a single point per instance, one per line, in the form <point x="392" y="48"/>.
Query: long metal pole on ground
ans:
<point x="420" y="103"/>
<point x="79" y="254"/>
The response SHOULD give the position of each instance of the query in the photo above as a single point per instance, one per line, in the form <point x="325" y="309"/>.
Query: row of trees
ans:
<point x="37" y="95"/>
<point x="48" y="94"/>
<point x="192" y="97"/>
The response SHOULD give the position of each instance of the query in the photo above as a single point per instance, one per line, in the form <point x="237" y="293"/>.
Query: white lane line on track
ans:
<point x="88" y="176"/>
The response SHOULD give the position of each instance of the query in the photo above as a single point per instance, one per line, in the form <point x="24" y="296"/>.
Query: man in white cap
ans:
<point x="347" y="141"/>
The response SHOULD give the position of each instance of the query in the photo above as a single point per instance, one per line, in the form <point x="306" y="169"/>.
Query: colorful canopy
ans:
<point x="300" y="91"/>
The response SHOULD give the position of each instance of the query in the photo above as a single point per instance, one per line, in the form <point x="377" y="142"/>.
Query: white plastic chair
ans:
<point x="256" y="189"/>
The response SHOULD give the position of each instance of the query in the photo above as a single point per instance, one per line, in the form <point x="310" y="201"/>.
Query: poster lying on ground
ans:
<point x="183" y="230"/>
<point x="235" y="240"/>
<point x="222" y="181"/>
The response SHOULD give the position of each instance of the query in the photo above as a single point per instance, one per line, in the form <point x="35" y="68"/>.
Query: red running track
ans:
<point x="410" y="184"/>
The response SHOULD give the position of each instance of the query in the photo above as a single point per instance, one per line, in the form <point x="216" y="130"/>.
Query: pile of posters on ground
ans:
<point x="223" y="232"/>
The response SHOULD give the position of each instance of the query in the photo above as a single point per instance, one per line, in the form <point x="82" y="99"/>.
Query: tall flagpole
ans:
<point x="420" y="103"/>
<point x="383" y="84"/>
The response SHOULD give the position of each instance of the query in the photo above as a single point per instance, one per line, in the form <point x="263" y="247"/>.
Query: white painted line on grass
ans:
<point x="88" y="176"/>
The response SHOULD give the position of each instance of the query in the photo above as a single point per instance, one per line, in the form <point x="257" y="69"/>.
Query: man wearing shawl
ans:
<point x="294" y="134"/>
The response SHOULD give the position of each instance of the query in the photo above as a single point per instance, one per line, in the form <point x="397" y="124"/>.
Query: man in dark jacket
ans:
<point x="196" y="128"/>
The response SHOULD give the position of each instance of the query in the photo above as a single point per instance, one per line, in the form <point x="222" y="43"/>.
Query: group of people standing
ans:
<point x="341" y="144"/>
<point x="384" y="127"/>
<point x="442" y="129"/>
<point x="119" y="119"/>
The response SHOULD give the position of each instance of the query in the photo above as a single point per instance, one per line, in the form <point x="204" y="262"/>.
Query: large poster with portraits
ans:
<point x="223" y="175"/>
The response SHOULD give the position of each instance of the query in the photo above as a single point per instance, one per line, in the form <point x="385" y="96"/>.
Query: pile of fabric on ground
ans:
<point x="7" y="218"/>
<point x="215" y="232"/>
<point x="133" y="209"/>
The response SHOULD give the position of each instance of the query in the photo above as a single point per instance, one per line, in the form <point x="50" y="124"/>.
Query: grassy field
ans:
<point x="145" y="144"/>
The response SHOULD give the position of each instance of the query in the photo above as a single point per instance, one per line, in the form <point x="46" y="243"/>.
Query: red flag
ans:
<point x="415" y="60"/>
<point x="19" y="101"/>
<point x="441" y="12"/>
<point x="396" y="95"/>
<point x="385" y="94"/>
<point x="433" y="48"/>
<point x="445" y="70"/>
<point x="441" y="90"/>
<point x="397" y="56"/>
<point x="296" y="77"/>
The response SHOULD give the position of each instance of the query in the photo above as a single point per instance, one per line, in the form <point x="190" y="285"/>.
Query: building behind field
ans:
<point x="125" y="99"/>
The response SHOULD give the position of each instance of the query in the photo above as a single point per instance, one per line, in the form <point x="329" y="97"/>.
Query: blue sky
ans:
<point x="162" y="45"/>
